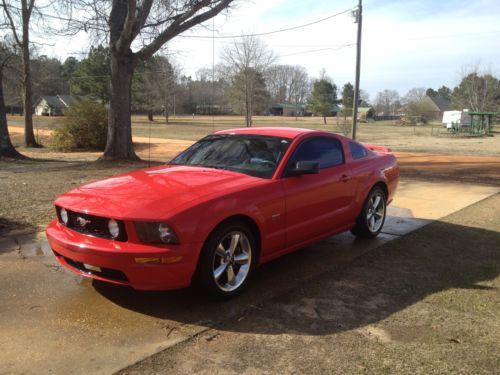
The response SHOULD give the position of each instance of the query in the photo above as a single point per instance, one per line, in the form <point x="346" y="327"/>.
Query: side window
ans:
<point x="357" y="151"/>
<point x="326" y="151"/>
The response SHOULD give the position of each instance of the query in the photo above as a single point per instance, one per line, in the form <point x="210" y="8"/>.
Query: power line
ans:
<point x="319" y="50"/>
<point x="267" y="32"/>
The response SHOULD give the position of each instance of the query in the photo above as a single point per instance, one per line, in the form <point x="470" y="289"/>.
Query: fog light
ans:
<point x="113" y="228"/>
<point x="64" y="216"/>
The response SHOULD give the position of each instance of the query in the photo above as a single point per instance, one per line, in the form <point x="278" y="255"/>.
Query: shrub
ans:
<point x="85" y="126"/>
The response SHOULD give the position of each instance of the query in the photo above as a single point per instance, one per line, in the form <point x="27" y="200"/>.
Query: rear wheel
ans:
<point x="372" y="217"/>
<point x="227" y="260"/>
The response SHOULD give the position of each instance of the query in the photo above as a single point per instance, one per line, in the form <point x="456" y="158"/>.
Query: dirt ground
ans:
<point x="101" y="328"/>
<point x="417" y="305"/>
<point x="460" y="168"/>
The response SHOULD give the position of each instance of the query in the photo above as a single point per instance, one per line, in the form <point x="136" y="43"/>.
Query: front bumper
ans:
<point x="143" y="267"/>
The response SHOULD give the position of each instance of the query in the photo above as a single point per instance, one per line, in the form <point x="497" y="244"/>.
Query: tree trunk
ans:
<point x="6" y="147"/>
<point x="119" y="143"/>
<point x="324" y="120"/>
<point x="29" y="135"/>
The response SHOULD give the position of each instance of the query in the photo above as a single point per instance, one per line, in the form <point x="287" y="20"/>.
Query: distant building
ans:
<point x="213" y="109"/>
<point x="53" y="105"/>
<point x="287" y="109"/>
<point x="365" y="114"/>
<point x="438" y="105"/>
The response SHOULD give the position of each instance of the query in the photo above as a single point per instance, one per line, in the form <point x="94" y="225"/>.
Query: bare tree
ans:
<point x="364" y="96"/>
<point x="136" y="30"/>
<point x="300" y="87"/>
<point x="477" y="91"/>
<point x="278" y="81"/>
<point x="18" y="15"/>
<point x="6" y="147"/>
<point x="414" y="95"/>
<point x="288" y="84"/>
<point x="417" y="104"/>
<point x="246" y="61"/>
<point x="387" y="101"/>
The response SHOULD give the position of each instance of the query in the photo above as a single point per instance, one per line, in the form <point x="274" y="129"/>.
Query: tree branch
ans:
<point x="141" y="18"/>
<point x="125" y="36"/>
<point x="183" y="23"/>
<point x="12" y="25"/>
<point x="30" y="8"/>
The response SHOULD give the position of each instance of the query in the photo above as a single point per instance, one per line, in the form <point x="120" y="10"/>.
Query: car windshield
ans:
<point x="254" y="155"/>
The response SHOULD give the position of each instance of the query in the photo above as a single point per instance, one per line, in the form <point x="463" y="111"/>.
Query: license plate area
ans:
<point x="92" y="268"/>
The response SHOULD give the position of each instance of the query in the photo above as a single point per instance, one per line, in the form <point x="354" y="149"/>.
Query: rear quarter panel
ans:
<point x="368" y="171"/>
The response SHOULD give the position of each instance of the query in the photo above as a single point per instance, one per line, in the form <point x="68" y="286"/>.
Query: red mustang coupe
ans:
<point x="231" y="201"/>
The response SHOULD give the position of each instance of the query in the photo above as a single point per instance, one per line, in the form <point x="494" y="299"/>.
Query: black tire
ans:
<point x="365" y="227"/>
<point x="211" y="260"/>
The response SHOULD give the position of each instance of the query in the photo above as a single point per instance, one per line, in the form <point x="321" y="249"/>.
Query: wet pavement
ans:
<point x="54" y="321"/>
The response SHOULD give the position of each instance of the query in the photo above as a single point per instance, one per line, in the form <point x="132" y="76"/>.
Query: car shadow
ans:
<point x="328" y="287"/>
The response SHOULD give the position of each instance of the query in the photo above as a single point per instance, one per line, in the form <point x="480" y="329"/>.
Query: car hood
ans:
<point x="153" y="194"/>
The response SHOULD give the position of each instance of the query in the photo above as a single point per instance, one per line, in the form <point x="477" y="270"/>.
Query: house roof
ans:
<point x="440" y="102"/>
<point x="364" y="109"/>
<point x="52" y="101"/>
<point x="66" y="99"/>
<point x="288" y="105"/>
<point x="57" y="101"/>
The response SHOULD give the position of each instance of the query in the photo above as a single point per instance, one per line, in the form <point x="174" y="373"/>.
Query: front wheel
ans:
<point x="371" y="219"/>
<point x="227" y="260"/>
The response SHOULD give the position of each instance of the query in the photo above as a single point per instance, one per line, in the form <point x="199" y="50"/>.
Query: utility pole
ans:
<point x="359" y="21"/>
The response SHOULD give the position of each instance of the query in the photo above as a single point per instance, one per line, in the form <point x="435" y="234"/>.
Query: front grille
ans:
<point x="92" y="225"/>
<point x="107" y="273"/>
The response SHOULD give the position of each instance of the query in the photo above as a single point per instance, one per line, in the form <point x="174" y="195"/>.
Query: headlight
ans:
<point x="156" y="233"/>
<point x="64" y="216"/>
<point x="113" y="228"/>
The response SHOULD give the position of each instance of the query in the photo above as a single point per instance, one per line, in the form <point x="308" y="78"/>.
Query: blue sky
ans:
<point x="406" y="43"/>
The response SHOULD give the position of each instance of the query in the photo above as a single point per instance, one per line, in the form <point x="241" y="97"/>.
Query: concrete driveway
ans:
<point x="54" y="321"/>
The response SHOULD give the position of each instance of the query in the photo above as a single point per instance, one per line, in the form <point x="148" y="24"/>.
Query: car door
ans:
<point x="317" y="204"/>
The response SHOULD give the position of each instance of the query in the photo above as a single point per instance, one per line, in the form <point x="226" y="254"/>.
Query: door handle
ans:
<point x="344" y="178"/>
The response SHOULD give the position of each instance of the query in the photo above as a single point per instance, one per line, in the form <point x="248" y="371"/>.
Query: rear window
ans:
<point x="357" y="151"/>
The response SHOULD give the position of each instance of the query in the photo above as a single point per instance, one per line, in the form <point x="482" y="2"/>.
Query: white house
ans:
<point x="53" y="105"/>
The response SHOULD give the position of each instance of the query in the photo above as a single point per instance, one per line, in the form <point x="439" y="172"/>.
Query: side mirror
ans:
<point x="304" y="167"/>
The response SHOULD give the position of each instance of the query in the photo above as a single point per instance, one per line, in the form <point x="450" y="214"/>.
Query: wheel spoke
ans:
<point x="241" y="258"/>
<point x="245" y="244"/>
<point x="242" y="272"/>
<point x="376" y="202"/>
<point x="230" y="274"/>
<point x="220" y="270"/>
<point x="235" y="239"/>
<point x="372" y="223"/>
<point x="220" y="251"/>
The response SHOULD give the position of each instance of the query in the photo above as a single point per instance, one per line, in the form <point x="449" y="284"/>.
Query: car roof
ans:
<point x="282" y="132"/>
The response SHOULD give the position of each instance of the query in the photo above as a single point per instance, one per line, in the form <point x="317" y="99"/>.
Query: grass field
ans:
<point x="425" y="138"/>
